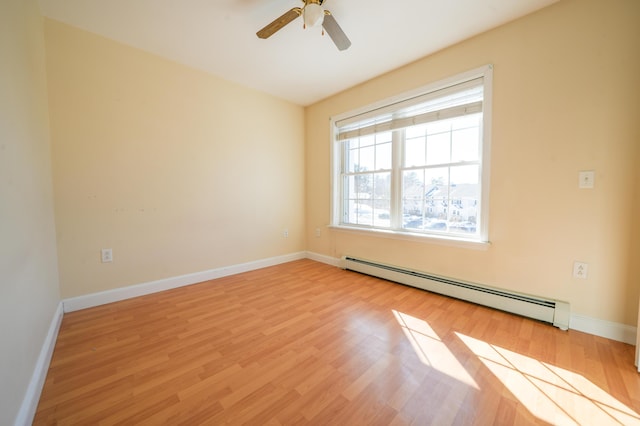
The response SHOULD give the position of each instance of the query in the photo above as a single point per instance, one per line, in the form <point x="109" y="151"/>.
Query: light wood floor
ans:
<point x="307" y="343"/>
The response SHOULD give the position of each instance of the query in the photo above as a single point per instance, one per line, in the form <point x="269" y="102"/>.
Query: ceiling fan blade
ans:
<point x="280" y="22"/>
<point x="338" y="36"/>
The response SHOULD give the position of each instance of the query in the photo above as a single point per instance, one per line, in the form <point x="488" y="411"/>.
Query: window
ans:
<point x="417" y="164"/>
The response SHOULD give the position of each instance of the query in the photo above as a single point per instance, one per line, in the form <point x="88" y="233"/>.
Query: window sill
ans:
<point x="406" y="236"/>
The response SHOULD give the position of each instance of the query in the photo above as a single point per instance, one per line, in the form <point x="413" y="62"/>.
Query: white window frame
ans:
<point x="481" y="241"/>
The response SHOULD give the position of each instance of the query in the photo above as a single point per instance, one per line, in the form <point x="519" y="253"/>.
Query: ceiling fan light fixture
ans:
<point x="313" y="15"/>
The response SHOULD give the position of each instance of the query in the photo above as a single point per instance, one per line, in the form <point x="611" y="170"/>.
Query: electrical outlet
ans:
<point x="580" y="270"/>
<point x="317" y="232"/>
<point x="285" y="233"/>
<point x="107" y="255"/>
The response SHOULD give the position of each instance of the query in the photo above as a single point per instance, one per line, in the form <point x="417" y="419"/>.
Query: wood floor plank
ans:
<point x="308" y="343"/>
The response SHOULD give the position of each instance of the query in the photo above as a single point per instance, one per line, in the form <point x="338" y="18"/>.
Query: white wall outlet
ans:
<point x="580" y="270"/>
<point x="586" y="179"/>
<point x="317" y="232"/>
<point x="285" y="233"/>
<point x="107" y="255"/>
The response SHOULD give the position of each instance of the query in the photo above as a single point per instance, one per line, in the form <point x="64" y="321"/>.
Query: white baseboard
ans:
<point x="115" y="295"/>
<point x="610" y="330"/>
<point x="333" y="261"/>
<point x="32" y="396"/>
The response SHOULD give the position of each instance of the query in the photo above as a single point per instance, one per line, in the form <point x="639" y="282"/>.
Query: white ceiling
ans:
<point x="219" y="36"/>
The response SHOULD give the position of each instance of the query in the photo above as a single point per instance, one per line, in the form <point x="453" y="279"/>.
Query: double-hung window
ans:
<point x="417" y="164"/>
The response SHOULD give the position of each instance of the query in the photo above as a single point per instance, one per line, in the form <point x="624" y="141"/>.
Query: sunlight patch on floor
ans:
<point x="431" y="349"/>
<point x="551" y="393"/>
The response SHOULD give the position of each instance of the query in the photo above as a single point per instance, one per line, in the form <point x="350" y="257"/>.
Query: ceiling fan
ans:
<point x="313" y="14"/>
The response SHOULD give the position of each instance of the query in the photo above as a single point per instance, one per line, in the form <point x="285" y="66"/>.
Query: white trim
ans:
<point x="115" y="295"/>
<point x="636" y="363"/>
<point x="487" y="133"/>
<point x="607" y="329"/>
<point x="336" y="153"/>
<point x="444" y="240"/>
<point x="31" y="398"/>
<point x="333" y="261"/>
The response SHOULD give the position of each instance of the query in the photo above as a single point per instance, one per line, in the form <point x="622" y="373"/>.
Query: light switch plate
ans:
<point x="586" y="179"/>
<point x="106" y="255"/>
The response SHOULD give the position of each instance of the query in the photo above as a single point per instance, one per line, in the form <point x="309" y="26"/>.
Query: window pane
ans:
<point x="414" y="146"/>
<point x="466" y="121"/>
<point x="368" y="153"/>
<point x="382" y="186"/>
<point x="414" y="153"/>
<point x="416" y="131"/>
<point x="352" y="155"/>
<point x="367" y="159"/>
<point x="382" y="200"/>
<point x="437" y="127"/>
<point x="413" y="192"/>
<point x="368" y="197"/>
<point x="413" y="205"/>
<point x="438" y="148"/>
<point x="383" y="156"/>
<point x="425" y="199"/>
<point x="367" y="140"/>
<point x="465" y="175"/>
<point x="465" y="139"/>
<point x="358" y="190"/>
<point x="360" y="212"/>
<point x="358" y="187"/>
<point x="383" y="151"/>
<point x="465" y="196"/>
<point x="363" y="185"/>
<point x="436" y="193"/>
<point x="383" y="137"/>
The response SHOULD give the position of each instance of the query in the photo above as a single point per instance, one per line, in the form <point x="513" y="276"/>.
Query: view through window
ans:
<point x="416" y="166"/>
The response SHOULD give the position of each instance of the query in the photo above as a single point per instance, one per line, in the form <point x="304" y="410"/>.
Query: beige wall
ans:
<point x="634" y="258"/>
<point x="566" y="84"/>
<point x="176" y="170"/>
<point x="29" y="293"/>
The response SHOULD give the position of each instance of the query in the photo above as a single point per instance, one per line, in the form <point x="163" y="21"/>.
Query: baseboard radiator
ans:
<point x="551" y="311"/>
